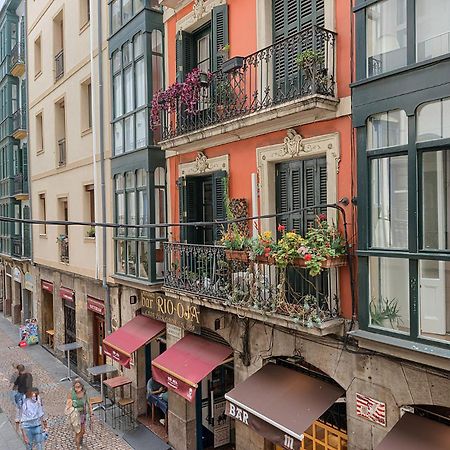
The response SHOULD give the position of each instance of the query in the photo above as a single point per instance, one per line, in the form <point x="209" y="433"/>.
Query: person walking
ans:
<point x="79" y="410"/>
<point x="22" y="385"/>
<point x="33" y="421"/>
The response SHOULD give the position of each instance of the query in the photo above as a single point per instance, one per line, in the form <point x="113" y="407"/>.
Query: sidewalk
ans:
<point x="47" y="371"/>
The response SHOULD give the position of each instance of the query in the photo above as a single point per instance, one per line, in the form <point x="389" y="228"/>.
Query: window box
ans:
<point x="233" y="64"/>
<point x="236" y="255"/>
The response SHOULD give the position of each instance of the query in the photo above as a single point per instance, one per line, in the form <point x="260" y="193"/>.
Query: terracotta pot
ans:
<point x="236" y="255"/>
<point x="327" y="264"/>
<point x="265" y="259"/>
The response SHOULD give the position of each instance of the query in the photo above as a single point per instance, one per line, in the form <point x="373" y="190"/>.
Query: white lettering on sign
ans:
<point x="238" y="413"/>
<point x="288" y="441"/>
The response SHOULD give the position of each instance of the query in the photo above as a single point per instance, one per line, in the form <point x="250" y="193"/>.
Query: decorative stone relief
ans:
<point x="203" y="164"/>
<point x="201" y="12"/>
<point x="292" y="144"/>
<point x="198" y="9"/>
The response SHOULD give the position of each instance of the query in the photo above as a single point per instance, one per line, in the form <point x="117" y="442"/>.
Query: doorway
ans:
<point x="70" y="328"/>
<point x="98" y="336"/>
<point x="47" y="317"/>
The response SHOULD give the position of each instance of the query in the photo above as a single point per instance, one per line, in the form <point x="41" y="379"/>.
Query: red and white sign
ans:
<point x="371" y="409"/>
<point x="47" y="286"/>
<point x="96" y="305"/>
<point x="66" y="294"/>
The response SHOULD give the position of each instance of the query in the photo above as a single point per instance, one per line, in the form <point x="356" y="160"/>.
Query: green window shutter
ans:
<point x="184" y="54"/>
<point x="25" y="162"/>
<point x="315" y="187"/>
<point x="189" y="204"/>
<point x="219" y="28"/>
<point x="312" y="13"/>
<point x="219" y="200"/>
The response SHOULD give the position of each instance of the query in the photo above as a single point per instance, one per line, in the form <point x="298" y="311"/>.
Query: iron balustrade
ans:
<point x="64" y="249"/>
<point x="19" y="120"/>
<point x="59" y="65"/>
<point x="18" y="54"/>
<point x="204" y="271"/>
<point x="20" y="184"/>
<point x="17" y="246"/>
<point x="62" y="152"/>
<point x="267" y="78"/>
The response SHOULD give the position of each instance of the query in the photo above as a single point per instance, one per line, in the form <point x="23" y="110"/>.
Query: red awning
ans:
<point x="133" y="335"/>
<point x="416" y="433"/>
<point x="66" y="294"/>
<point x="187" y="362"/>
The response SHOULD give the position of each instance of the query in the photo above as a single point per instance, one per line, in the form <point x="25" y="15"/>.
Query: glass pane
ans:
<point x="117" y="60"/>
<point x="157" y="73"/>
<point x="446" y="118"/>
<point x="138" y="45"/>
<point x="387" y="129"/>
<point x="128" y="91"/>
<point x="389" y="293"/>
<point x="143" y="259"/>
<point x="160" y="176"/>
<point x="138" y="5"/>
<point x="120" y="182"/>
<point x="432" y="28"/>
<point x="157" y="41"/>
<point x="118" y="104"/>
<point x="436" y="200"/>
<point x="429" y="121"/>
<point x="127" y="6"/>
<point x="121" y="212"/>
<point x="140" y="83"/>
<point x="141" y="177"/>
<point x="386" y="36"/>
<point x="140" y="129"/>
<point x="118" y="138"/>
<point x="160" y="211"/>
<point x="434" y="299"/>
<point x="115" y="13"/>
<point x="131" y="212"/>
<point x="129" y="180"/>
<point x="203" y="53"/>
<point x="127" y="52"/>
<point x="131" y="260"/>
<point x="389" y="202"/>
<point x="129" y="133"/>
<point x="120" y="248"/>
<point x="143" y="211"/>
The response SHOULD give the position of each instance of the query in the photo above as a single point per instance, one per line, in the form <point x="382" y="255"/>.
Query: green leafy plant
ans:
<point x="62" y="238"/>
<point x="308" y="59"/>
<point x="384" y="309"/>
<point x="90" y="232"/>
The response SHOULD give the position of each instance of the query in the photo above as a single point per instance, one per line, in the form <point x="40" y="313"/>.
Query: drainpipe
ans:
<point x="102" y="167"/>
<point x="94" y="149"/>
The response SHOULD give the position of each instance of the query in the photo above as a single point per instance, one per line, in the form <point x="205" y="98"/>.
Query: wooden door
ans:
<point x="99" y="335"/>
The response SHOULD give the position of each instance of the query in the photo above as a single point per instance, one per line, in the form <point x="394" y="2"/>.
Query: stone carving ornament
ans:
<point x="199" y="8"/>
<point x="292" y="144"/>
<point x="201" y="163"/>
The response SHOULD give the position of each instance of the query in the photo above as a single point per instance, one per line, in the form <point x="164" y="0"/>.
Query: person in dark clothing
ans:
<point x="22" y="385"/>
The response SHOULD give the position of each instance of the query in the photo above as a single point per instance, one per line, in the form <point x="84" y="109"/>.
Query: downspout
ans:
<point x="102" y="167"/>
<point x="94" y="149"/>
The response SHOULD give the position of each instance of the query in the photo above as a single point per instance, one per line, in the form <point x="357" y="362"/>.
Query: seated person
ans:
<point x="156" y="389"/>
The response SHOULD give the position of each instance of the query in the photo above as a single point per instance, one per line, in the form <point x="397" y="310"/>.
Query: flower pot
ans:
<point x="236" y="255"/>
<point x="203" y="79"/>
<point x="327" y="264"/>
<point x="232" y="64"/>
<point x="265" y="259"/>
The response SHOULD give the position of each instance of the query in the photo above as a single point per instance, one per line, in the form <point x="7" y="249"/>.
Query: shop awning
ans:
<point x="280" y="403"/>
<point x="416" y="433"/>
<point x="182" y="366"/>
<point x="133" y="335"/>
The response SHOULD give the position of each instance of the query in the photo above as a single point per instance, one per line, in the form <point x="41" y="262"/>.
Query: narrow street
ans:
<point x="47" y="371"/>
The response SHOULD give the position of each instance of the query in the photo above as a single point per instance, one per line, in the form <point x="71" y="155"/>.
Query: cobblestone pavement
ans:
<point x="53" y="394"/>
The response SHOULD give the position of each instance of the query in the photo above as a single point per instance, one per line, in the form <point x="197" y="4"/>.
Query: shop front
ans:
<point x="288" y="408"/>
<point x="17" y="295"/>
<point x="97" y="309"/>
<point x="47" y="315"/>
<point x="70" y="323"/>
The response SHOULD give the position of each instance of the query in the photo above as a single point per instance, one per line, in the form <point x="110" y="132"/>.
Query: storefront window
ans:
<point x="389" y="293"/>
<point x="385" y="36"/>
<point x="432" y="28"/>
<point x="433" y="120"/>
<point x="387" y="129"/>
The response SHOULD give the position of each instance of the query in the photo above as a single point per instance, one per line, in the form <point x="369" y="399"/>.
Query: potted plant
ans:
<point x="236" y="244"/>
<point x="90" y="233"/>
<point x="385" y="312"/>
<point x="312" y="63"/>
<point x="233" y="64"/>
<point x="224" y="51"/>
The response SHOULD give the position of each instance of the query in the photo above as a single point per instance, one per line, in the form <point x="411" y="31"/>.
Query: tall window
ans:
<point x="39" y="133"/>
<point x="86" y="105"/>
<point x="129" y="95"/>
<point x="42" y="214"/>
<point x="37" y="56"/>
<point x="124" y="10"/>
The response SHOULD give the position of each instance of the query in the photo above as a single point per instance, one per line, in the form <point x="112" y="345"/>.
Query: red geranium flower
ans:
<point x="267" y="249"/>
<point x="281" y="228"/>
<point x="307" y="257"/>
<point x="322" y="216"/>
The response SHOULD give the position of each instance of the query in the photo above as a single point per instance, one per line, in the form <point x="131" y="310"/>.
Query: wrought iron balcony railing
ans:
<point x="19" y="120"/>
<point x="20" y="184"/>
<point x="59" y="65"/>
<point x="205" y="271"/>
<point x="63" y="248"/>
<point x="267" y="78"/>
<point x="62" y="152"/>
<point x="18" y="54"/>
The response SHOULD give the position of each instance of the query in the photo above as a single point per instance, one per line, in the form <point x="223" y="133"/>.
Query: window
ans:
<point x="39" y="133"/>
<point x="122" y="11"/>
<point x="386" y="36"/>
<point x="115" y="16"/>
<point x="86" y="105"/>
<point x="136" y="249"/>
<point x="394" y="231"/>
<point x="60" y="132"/>
<point x="432" y="29"/>
<point x="90" y="208"/>
<point x="37" y="56"/>
<point x="157" y="61"/>
<point x="42" y="214"/>
<point x="85" y="13"/>
<point x="58" y="45"/>
<point x="129" y="96"/>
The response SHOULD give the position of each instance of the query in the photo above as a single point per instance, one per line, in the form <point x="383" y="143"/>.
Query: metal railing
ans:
<point x="62" y="152"/>
<point x="20" y="184"/>
<point x="267" y="78"/>
<point x="19" y="120"/>
<point x="64" y="249"/>
<point x="18" y="54"/>
<point x="59" y="65"/>
<point x="205" y="271"/>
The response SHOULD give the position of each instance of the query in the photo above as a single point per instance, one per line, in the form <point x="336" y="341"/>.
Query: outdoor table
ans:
<point x="68" y="348"/>
<point x="101" y="370"/>
<point x="113" y="384"/>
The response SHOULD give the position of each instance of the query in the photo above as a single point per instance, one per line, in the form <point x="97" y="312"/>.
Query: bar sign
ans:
<point x="371" y="409"/>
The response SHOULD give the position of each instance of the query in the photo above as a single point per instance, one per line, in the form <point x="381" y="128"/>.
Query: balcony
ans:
<point x="62" y="152"/>
<point x="19" y="121"/>
<point x="63" y="242"/>
<point x="277" y="84"/>
<point x="205" y="272"/>
<point x="18" y="60"/>
<point x="59" y="65"/>
<point x="21" y="186"/>
<point x="21" y="247"/>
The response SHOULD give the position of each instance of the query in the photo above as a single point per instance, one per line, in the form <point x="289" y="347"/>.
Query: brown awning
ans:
<point x="416" y="433"/>
<point x="280" y="403"/>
